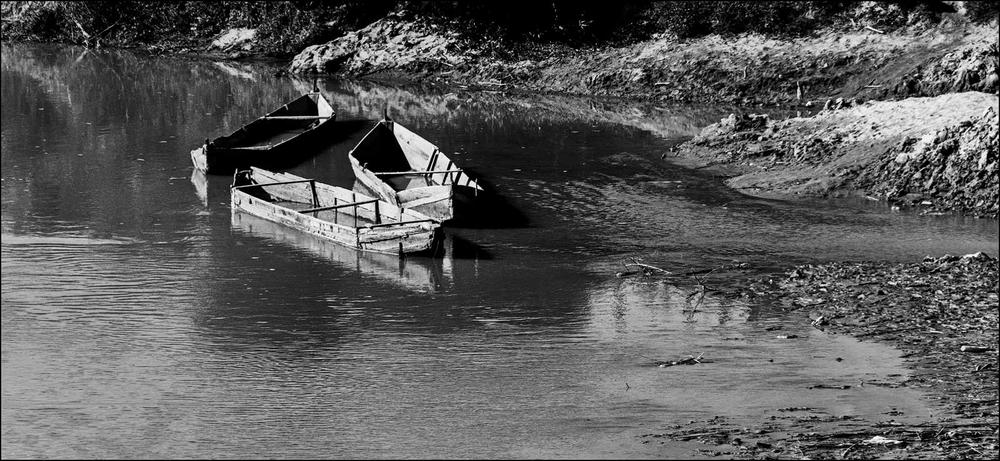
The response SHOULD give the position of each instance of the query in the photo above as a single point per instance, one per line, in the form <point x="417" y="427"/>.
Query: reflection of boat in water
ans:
<point x="415" y="273"/>
<point x="212" y="191"/>
<point x="200" y="182"/>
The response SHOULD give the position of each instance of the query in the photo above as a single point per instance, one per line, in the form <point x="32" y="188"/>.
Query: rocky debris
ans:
<point x="952" y="168"/>
<point x="234" y="40"/>
<point x="930" y="310"/>
<point x="839" y="103"/>
<point x="938" y="153"/>
<point x="940" y="312"/>
<point x="806" y="433"/>
<point x="973" y="67"/>
<point x="389" y="44"/>
<point x="748" y="124"/>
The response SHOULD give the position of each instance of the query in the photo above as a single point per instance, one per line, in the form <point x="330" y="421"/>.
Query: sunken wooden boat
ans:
<point x="418" y="274"/>
<point x="281" y="138"/>
<point x="397" y="165"/>
<point x="334" y="213"/>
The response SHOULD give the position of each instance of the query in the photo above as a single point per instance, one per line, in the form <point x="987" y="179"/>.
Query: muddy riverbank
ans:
<point x="940" y="312"/>
<point x="937" y="154"/>
<point x="745" y="69"/>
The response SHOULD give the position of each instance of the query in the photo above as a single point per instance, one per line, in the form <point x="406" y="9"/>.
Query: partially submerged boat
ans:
<point x="397" y="165"/>
<point x="417" y="274"/>
<point x="281" y="138"/>
<point x="334" y="213"/>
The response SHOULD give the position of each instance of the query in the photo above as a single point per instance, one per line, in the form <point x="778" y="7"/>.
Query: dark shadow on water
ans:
<point x="491" y="210"/>
<point x="458" y="247"/>
<point x="347" y="128"/>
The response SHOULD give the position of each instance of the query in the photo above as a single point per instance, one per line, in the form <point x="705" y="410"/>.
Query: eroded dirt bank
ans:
<point x="936" y="153"/>
<point x="745" y="69"/>
<point x="940" y="312"/>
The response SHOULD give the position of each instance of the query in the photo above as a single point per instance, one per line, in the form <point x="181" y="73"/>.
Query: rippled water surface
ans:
<point x="142" y="319"/>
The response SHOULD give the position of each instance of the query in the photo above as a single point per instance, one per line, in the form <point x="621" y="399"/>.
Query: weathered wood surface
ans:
<point x="391" y="150"/>
<point x="280" y="138"/>
<point x="370" y="225"/>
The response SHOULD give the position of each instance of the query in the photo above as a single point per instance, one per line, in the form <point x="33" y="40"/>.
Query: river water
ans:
<point x="141" y="318"/>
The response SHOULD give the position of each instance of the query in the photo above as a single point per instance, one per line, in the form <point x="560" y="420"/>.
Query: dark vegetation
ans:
<point x="285" y="27"/>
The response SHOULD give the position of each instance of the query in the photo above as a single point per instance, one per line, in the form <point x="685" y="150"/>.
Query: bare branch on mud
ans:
<point x="645" y="269"/>
<point x="690" y="360"/>
<point x="648" y="269"/>
<point x="974" y="349"/>
<point x="830" y="386"/>
<point x="819" y="322"/>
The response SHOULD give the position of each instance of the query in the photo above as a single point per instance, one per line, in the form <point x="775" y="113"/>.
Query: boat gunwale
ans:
<point x="420" y="217"/>
<point x="270" y="119"/>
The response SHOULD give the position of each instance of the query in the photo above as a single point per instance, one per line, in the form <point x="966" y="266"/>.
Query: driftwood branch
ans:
<point x="690" y="360"/>
<point x="645" y="269"/>
<point x="106" y="29"/>
<point x="648" y="269"/>
<point x="86" y="35"/>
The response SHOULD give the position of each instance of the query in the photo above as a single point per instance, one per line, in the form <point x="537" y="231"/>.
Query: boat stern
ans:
<point x="403" y="239"/>
<point x="438" y="202"/>
<point x="200" y="159"/>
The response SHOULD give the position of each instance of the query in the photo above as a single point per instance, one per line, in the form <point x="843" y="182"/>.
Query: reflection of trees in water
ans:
<point x="148" y="92"/>
<point x="676" y="303"/>
<point x="102" y="132"/>
<point x="493" y="109"/>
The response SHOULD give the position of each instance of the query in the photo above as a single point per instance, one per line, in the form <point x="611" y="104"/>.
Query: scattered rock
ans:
<point x="235" y="40"/>
<point x="389" y="44"/>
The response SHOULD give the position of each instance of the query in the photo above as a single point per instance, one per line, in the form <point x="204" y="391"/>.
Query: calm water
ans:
<point x="142" y="319"/>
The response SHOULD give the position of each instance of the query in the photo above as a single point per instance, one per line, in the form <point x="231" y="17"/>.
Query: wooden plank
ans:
<point x="337" y="207"/>
<point x="383" y="241"/>
<point x="401" y="223"/>
<point x="434" y="157"/>
<point x="298" y="181"/>
<point x="413" y="173"/>
<point x="295" y="117"/>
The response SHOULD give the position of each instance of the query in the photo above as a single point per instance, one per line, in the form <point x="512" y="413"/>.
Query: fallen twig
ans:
<point x="830" y="386"/>
<point x="820" y="321"/>
<point x="691" y="360"/>
<point x="645" y="267"/>
<point x="974" y="349"/>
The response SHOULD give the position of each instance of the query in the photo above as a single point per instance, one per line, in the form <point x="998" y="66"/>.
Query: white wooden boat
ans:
<point x="333" y="213"/>
<point x="398" y="166"/>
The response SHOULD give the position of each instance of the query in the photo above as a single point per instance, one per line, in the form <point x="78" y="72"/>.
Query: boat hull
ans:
<point x="280" y="139"/>
<point x="426" y="180"/>
<point x="415" y="234"/>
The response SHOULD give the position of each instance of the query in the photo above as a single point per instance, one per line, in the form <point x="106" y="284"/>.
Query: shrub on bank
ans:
<point x="982" y="12"/>
<point x="288" y="26"/>
<point x="283" y="27"/>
